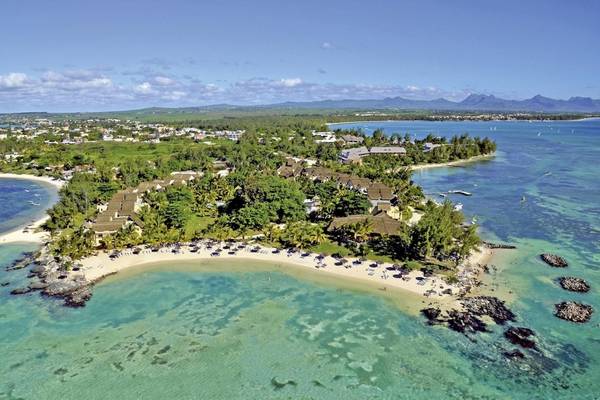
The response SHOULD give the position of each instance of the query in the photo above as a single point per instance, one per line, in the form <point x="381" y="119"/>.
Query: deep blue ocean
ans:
<point x="217" y="332"/>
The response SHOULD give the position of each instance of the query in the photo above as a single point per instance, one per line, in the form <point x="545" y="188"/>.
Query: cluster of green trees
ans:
<point x="457" y="148"/>
<point x="440" y="235"/>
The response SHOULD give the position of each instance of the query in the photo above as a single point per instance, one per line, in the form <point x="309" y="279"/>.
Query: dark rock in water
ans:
<point x="75" y="291"/>
<point x="22" y="262"/>
<point x="465" y="322"/>
<point x="61" y="287"/>
<point x="574" y="311"/>
<point x="38" y="269"/>
<point x="79" y="297"/>
<point x="520" y="336"/>
<point x="574" y="284"/>
<point x="490" y="306"/>
<point x="4" y="284"/>
<point x="37" y="285"/>
<point x="23" y="290"/>
<point x="432" y="314"/>
<point x="281" y="384"/>
<point x="516" y="353"/>
<point x="554" y="260"/>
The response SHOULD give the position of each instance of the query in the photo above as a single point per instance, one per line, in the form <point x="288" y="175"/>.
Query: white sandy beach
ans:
<point x="97" y="267"/>
<point x="29" y="232"/>
<point x="452" y="163"/>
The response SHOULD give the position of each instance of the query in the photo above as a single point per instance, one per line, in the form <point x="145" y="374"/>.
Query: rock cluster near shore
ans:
<point x="50" y="278"/>
<point x="554" y="260"/>
<point x="469" y="319"/>
<point x="574" y="311"/>
<point x="574" y="284"/>
<point x="520" y="336"/>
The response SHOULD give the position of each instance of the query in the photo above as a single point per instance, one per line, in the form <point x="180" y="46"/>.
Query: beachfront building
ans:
<point x="352" y="140"/>
<point x="120" y="211"/>
<point x="324" y="137"/>
<point x="379" y="194"/>
<point x="355" y="155"/>
<point x="381" y="224"/>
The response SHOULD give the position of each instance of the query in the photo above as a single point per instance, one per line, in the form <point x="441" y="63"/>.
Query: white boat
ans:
<point x="458" y="207"/>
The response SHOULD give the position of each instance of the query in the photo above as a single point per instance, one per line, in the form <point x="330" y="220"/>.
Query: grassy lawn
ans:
<point x="197" y="223"/>
<point x="329" y="248"/>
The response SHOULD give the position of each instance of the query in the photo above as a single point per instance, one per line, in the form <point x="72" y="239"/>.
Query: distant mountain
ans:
<point x="474" y="102"/>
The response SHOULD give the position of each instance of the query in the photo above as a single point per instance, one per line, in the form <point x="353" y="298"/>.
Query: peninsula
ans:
<point x="274" y="190"/>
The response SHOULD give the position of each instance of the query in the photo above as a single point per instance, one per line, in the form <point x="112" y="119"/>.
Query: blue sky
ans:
<point x="104" y="55"/>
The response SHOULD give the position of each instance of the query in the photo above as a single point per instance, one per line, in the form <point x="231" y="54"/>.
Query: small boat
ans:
<point x="523" y="199"/>
<point x="463" y="192"/>
<point x="458" y="207"/>
<point x="33" y="203"/>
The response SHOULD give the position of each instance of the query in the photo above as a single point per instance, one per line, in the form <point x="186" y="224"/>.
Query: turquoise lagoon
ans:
<point x="213" y="332"/>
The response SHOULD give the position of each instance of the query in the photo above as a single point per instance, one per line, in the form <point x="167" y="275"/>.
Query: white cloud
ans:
<point x="326" y="45"/>
<point x="75" y="80"/>
<point x="291" y="82"/>
<point x="13" y="80"/>
<point x="164" y="80"/>
<point x="144" y="88"/>
<point x="174" y="95"/>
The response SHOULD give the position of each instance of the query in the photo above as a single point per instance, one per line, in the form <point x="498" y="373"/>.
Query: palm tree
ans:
<point x="272" y="232"/>
<point x="362" y="230"/>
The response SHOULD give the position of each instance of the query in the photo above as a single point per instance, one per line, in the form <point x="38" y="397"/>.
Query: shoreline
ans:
<point x="96" y="268"/>
<point x="28" y="233"/>
<point x="419" y="167"/>
<point x="462" y="120"/>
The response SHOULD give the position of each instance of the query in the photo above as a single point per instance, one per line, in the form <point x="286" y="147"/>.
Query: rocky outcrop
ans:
<point x="22" y="262"/>
<point x="23" y="290"/>
<point x="554" y="260"/>
<point x="459" y="321"/>
<point x="490" y="306"/>
<point x="79" y="297"/>
<point x="574" y="284"/>
<point x="468" y="320"/>
<point x="465" y="322"/>
<point x="52" y="276"/>
<point x="574" y="311"/>
<point x="75" y="291"/>
<point x="432" y="314"/>
<point x="520" y="336"/>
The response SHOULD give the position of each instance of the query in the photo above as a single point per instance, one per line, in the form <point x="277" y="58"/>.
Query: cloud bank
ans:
<point x="94" y="90"/>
